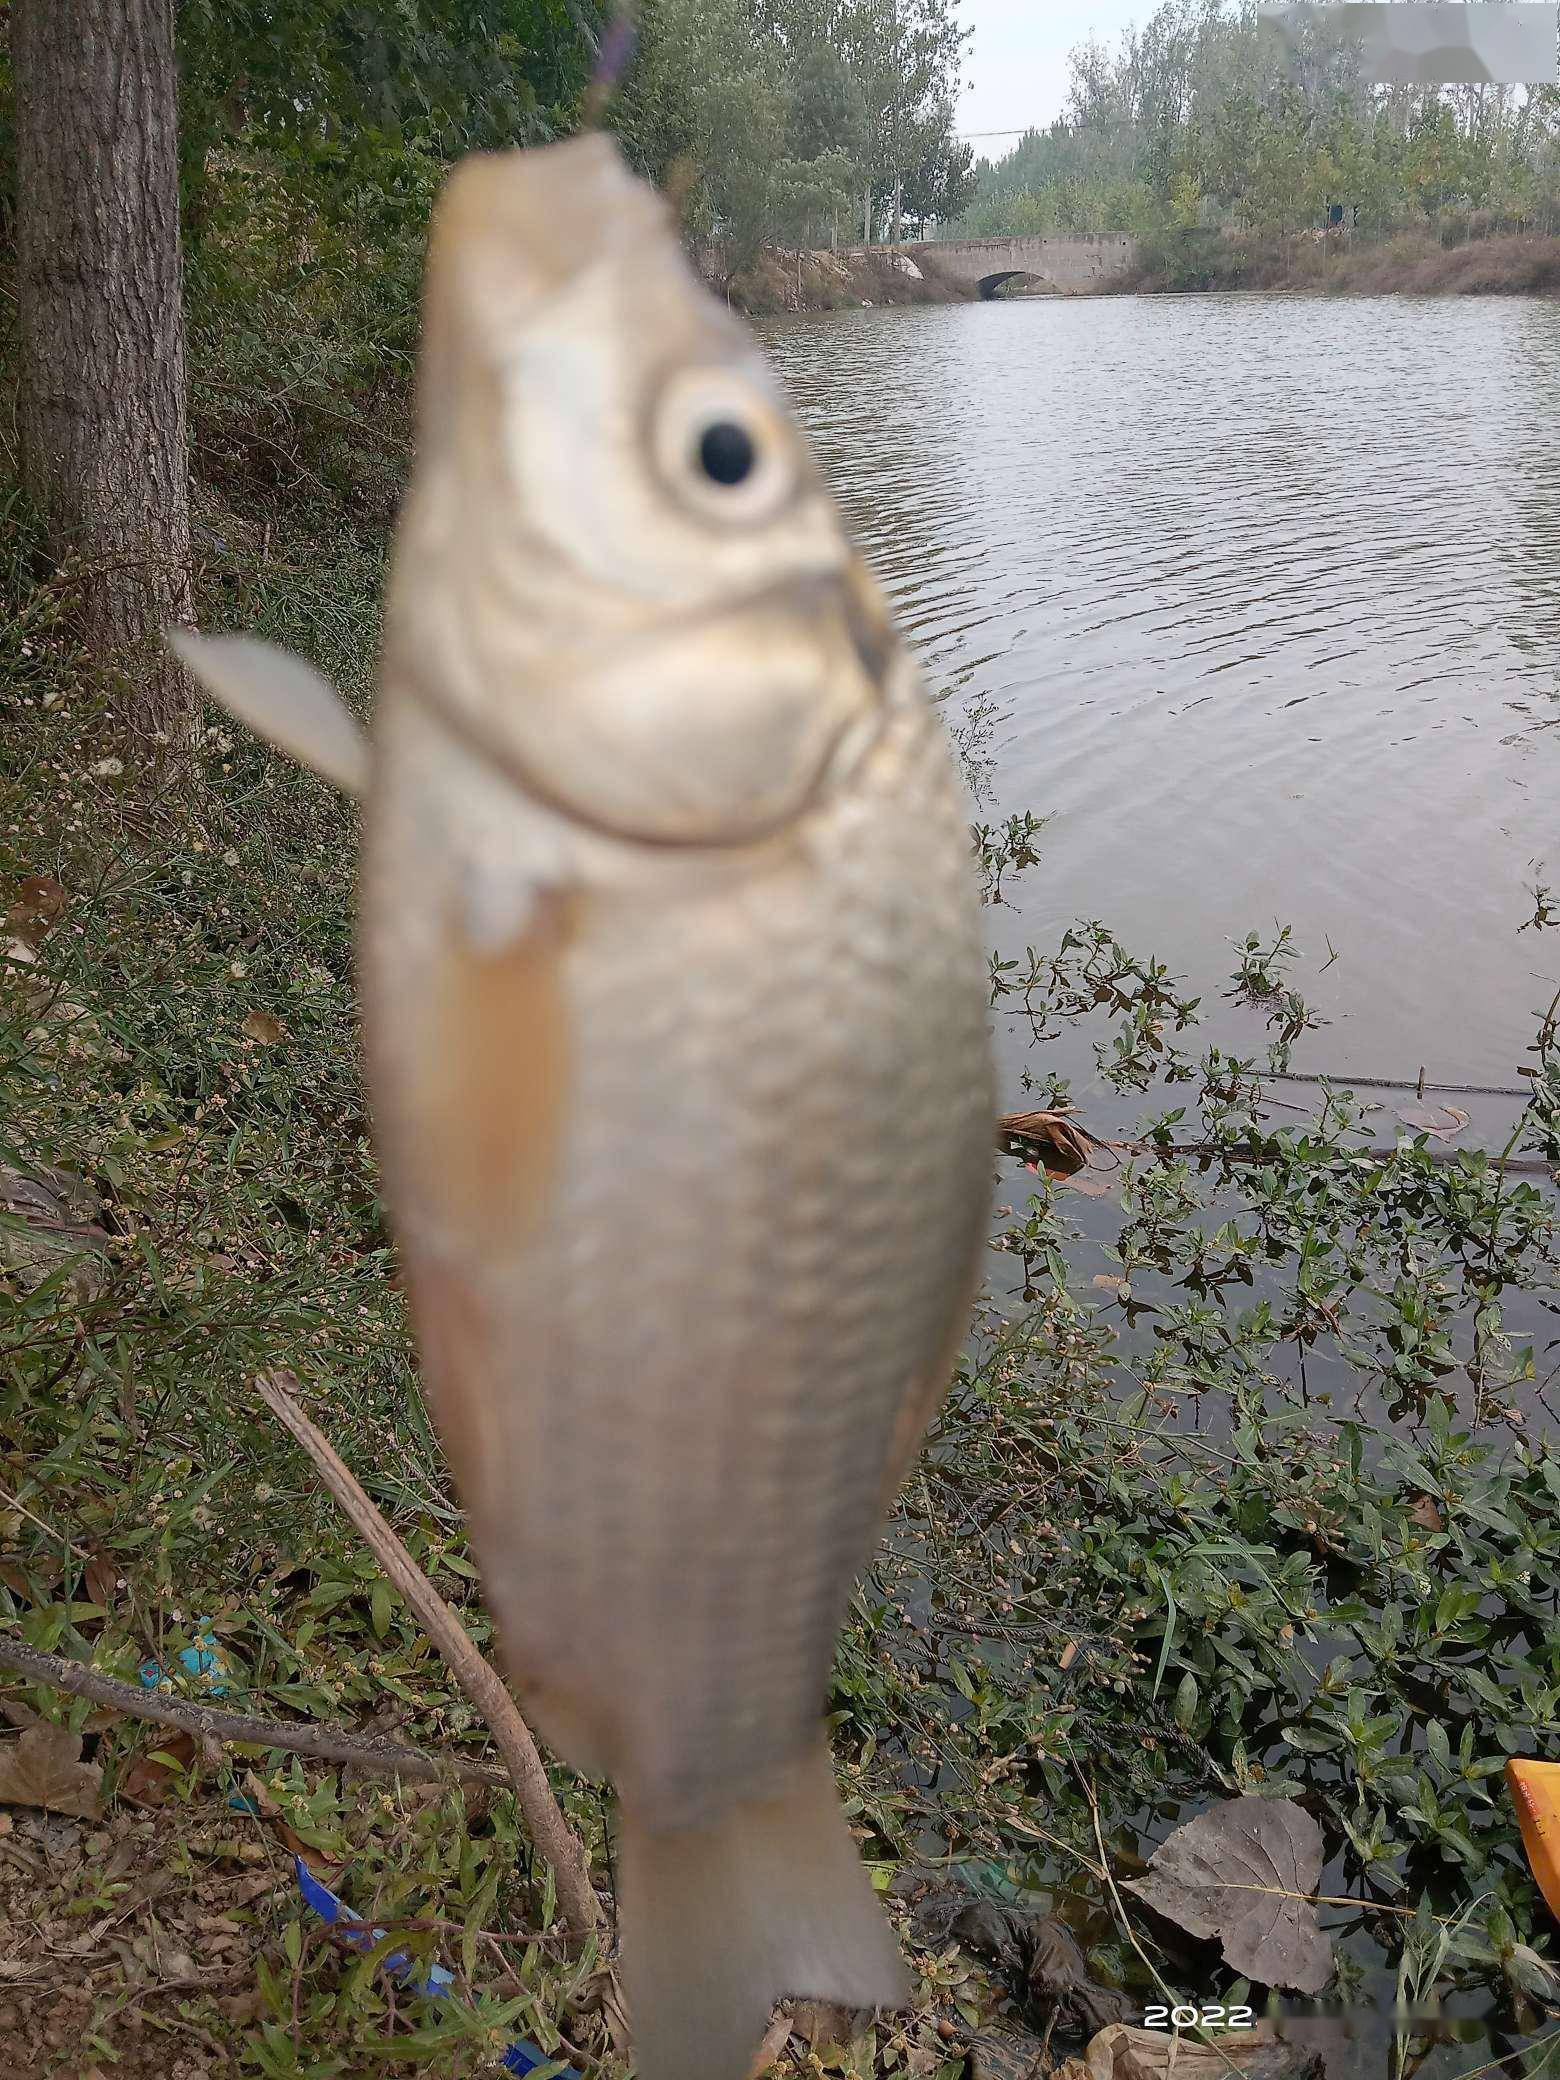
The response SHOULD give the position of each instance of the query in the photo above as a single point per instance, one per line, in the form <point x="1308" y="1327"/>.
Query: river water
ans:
<point x="1259" y="600"/>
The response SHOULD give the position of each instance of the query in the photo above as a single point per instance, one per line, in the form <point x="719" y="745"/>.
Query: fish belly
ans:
<point x="691" y="1186"/>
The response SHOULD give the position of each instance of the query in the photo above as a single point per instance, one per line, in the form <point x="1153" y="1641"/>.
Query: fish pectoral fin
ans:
<point x="721" y="1922"/>
<point x="282" y="699"/>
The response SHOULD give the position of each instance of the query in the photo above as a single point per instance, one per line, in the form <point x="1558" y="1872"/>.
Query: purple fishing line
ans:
<point x="617" y="48"/>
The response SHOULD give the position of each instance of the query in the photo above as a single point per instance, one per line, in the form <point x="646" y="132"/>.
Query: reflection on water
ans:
<point x="1262" y="595"/>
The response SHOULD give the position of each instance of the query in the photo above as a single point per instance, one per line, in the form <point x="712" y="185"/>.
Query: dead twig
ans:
<point x="242" y="1729"/>
<point x="548" y="1828"/>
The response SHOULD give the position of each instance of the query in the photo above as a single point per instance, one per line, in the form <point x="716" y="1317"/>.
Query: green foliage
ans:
<point x="797" y="121"/>
<point x="1262" y="1518"/>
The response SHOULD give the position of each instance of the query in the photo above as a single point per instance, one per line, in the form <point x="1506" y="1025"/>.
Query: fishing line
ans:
<point x="614" y="53"/>
<point x="1397" y="1083"/>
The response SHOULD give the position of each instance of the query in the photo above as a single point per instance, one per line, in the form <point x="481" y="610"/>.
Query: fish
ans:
<point x="675" y="1020"/>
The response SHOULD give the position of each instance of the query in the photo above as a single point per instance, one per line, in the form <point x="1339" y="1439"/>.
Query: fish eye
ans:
<point x="726" y="452"/>
<point x="722" y="447"/>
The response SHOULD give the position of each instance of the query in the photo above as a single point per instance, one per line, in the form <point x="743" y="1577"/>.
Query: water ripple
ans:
<point x="1254" y="586"/>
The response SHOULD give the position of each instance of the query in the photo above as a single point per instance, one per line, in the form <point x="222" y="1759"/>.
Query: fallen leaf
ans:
<point x="38" y="903"/>
<point x="260" y="1025"/>
<point x="102" y="1581"/>
<point x="1112" y="1282"/>
<point x="45" y="1769"/>
<point x="146" y="1781"/>
<point x="774" y="2043"/>
<point x="1445" y="1122"/>
<point x="311" y="1852"/>
<point x="821" y="2024"/>
<point x="1062" y="1147"/>
<point x="1123" y="2053"/>
<point x="1244" y="1872"/>
<point x="243" y="2007"/>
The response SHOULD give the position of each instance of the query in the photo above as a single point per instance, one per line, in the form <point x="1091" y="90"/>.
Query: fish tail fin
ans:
<point x="720" y="1922"/>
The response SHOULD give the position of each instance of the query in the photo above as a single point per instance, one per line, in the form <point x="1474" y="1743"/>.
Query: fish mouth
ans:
<point x="856" y="650"/>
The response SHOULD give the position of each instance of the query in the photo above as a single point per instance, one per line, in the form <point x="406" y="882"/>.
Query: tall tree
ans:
<point x="102" y="331"/>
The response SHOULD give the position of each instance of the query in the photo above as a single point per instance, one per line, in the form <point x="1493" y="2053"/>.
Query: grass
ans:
<point x="779" y="281"/>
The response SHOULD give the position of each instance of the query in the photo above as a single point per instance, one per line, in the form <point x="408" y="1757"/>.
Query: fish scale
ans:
<point x="800" y="1273"/>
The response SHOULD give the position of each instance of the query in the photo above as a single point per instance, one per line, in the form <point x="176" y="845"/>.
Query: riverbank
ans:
<point x="1417" y="263"/>
<point x="780" y="281"/>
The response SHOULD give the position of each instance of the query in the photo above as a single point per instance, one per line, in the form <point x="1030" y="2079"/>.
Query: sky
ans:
<point x="1017" y="66"/>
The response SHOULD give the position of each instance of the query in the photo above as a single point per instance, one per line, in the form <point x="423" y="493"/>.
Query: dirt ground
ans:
<point x="126" y="1943"/>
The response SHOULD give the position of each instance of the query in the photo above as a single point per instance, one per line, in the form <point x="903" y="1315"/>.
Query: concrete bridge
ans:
<point x="1059" y="263"/>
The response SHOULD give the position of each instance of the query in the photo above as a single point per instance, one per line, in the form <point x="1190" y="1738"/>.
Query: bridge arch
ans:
<point x="991" y="285"/>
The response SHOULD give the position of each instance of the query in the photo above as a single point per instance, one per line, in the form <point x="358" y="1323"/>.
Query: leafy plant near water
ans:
<point x="1263" y="1519"/>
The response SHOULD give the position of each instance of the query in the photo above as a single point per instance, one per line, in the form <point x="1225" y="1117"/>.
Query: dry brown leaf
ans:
<point x="1061" y="1146"/>
<point x="102" y="1581"/>
<point x="1124" y="2053"/>
<point x="45" y="1769"/>
<point x="146" y="1781"/>
<point x="1244" y="1872"/>
<point x="822" y="2024"/>
<point x="774" y="2043"/>
<point x="1426" y="1514"/>
<point x="260" y="1025"/>
<point x="37" y="906"/>
<point x="1112" y="1282"/>
<point x="311" y="1853"/>
<point x="1445" y="1122"/>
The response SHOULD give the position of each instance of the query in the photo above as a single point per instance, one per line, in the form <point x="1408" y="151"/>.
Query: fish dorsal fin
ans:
<point x="281" y="698"/>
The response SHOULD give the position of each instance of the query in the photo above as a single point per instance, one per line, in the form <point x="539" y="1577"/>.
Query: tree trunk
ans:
<point x="102" y="333"/>
<point x="898" y="231"/>
<point x="866" y="217"/>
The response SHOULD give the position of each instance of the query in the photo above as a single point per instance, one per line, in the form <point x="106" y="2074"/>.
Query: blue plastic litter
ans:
<point x="434" y="1982"/>
<point x="203" y="1660"/>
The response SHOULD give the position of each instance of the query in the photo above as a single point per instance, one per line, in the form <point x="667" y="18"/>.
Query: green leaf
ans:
<point x="1184" y="1709"/>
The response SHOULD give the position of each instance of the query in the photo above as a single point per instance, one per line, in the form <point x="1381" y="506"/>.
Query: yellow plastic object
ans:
<point x="1535" y="1792"/>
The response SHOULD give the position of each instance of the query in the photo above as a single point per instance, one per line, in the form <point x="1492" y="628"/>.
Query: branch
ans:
<point x="240" y="1729"/>
<point x="548" y="1828"/>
